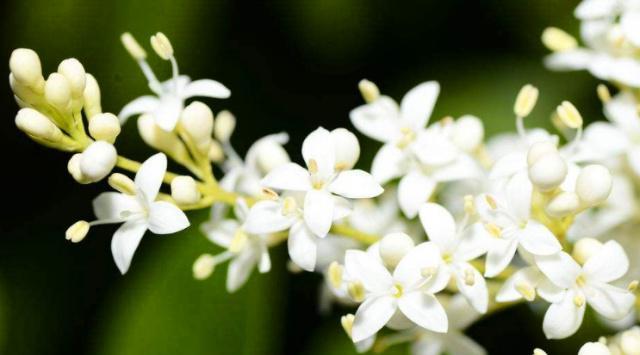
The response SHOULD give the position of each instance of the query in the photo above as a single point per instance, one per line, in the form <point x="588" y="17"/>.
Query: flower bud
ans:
<point x="468" y="133"/>
<point x="26" y="68"/>
<point x="548" y="172"/>
<point x="104" y="127"/>
<point x="368" y="90"/>
<point x="98" y="160"/>
<point x="122" y="183"/>
<point x="540" y="149"/>
<point x="77" y="231"/>
<point x="73" y="70"/>
<point x="558" y="40"/>
<point x="347" y="148"/>
<point x="393" y="247"/>
<point x="197" y="120"/>
<point x="630" y="341"/>
<point x="38" y="125"/>
<point x="91" y="97"/>
<point x="216" y="153"/>
<point x="162" y="46"/>
<point x="73" y="166"/>
<point x="57" y="91"/>
<point x="224" y="126"/>
<point x="156" y="137"/>
<point x="203" y="266"/>
<point x="184" y="190"/>
<point x="594" y="348"/>
<point x="270" y="155"/>
<point x="563" y="205"/>
<point x="526" y="100"/>
<point x="585" y="248"/>
<point x="594" y="184"/>
<point x="132" y="46"/>
<point x="569" y="115"/>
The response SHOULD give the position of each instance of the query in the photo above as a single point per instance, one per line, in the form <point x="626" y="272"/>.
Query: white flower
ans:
<point x="508" y="221"/>
<point x="379" y="218"/>
<point x="457" y="245"/>
<point x="245" y="250"/>
<point x="139" y="212"/>
<point x="454" y="341"/>
<point x="169" y="96"/>
<point x="322" y="182"/>
<point x="410" y="289"/>
<point x="588" y="284"/>
<point x="525" y="284"/>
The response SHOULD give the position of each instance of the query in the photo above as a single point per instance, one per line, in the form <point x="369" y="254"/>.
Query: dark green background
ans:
<point x="291" y="65"/>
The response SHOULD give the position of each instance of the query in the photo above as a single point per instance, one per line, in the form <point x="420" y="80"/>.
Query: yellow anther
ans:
<point x="558" y="40"/>
<point x="491" y="201"/>
<point x="447" y="258"/>
<point x="289" y="206"/>
<point x="633" y="286"/>
<point x="526" y="290"/>
<point x="368" y="90"/>
<point x="408" y="136"/>
<point x="445" y="121"/>
<point x="203" y="266"/>
<point x="313" y="166"/>
<point x="578" y="301"/>
<point x="356" y="291"/>
<point x="347" y="323"/>
<point x="77" y="231"/>
<point x="132" y="46"/>
<point x="580" y="281"/>
<point x="525" y="101"/>
<point x="269" y="194"/>
<point x="569" y="115"/>
<point x="603" y="93"/>
<point x="335" y="274"/>
<point x="469" y="205"/>
<point x="162" y="46"/>
<point x="429" y="271"/>
<point x="239" y="241"/>
<point x="397" y="291"/>
<point x="122" y="183"/>
<point x="469" y="277"/>
<point x="493" y="229"/>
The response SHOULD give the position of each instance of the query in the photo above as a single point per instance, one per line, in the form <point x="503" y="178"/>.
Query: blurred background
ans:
<point x="291" y="66"/>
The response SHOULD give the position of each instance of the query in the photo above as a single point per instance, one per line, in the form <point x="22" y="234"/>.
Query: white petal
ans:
<point x="413" y="190"/>
<point x="318" y="146"/>
<point x="537" y="239"/>
<point x="459" y="344"/>
<point x="608" y="264"/>
<point x="499" y="255"/>
<point x="240" y="269"/>
<point x="409" y="269"/>
<point x="360" y="266"/>
<point x="427" y="346"/>
<point x="142" y="104"/>
<point x="318" y="211"/>
<point x="477" y="294"/>
<point x="302" y="246"/>
<point x="125" y="242"/>
<point x="166" y="115"/>
<point x="289" y="176"/>
<point x="569" y="60"/>
<point x="355" y="184"/>
<point x="461" y="314"/>
<point x="264" y="264"/>
<point x="378" y="120"/>
<point x="342" y="208"/>
<point x="166" y="218"/>
<point x="563" y="318"/>
<point x="220" y="232"/>
<point x="594" y="9"/>
<point x="266" y="217"/>
<point x="473" y="242"/>
<point x="611" y="302"/>
<point x="560" y="268"/>
<point x="111" y="205"/>
<point x="417" y="104"/>
<point x="434" y="149"/>
<point x="630" y="23"/>
<point x="388" y="164"/>
<point x="508" y="165"/>
<point x="424" y="310"/>
<point x="549" y="292"/>
<point x="149" y="177"/>
<point x="371" y="316"/>
<point x="439" y="225"/>
<point x="464" y="167"/>
<point x="633" y="157"/>
<point x="519" y="191"/>
<point x="508" y="292"/>
<point x="206" y="87"/>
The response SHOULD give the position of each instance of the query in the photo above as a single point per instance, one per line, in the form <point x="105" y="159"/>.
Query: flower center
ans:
<point x="493" y="229"/>
<point x="408" y="136"/>
<point x="397" y="291"/>
<point x="580" y="281"/>
<point x="447" y="257"/>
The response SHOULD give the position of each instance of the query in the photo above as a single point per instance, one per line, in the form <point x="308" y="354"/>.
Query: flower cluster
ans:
<point x="446" y="228"/>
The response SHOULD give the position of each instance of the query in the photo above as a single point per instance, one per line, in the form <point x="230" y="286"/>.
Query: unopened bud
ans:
<point x="77" y="231"/>
<point x="132" y="46"/>
<point x="468" y="133"/>
<point x="57" y="91"/>
<point x="393" y="247"/>
<point x="184" y="190"/>
<point x="104" y="127"/>
<point x="73" y="166"/>
<point x="122" y="183"/>
<point x="73" y="70"/>
<point x="594" y="348"/>
<point x="270" y="155"/>
<point x="569" y="115"/>
<point x="347" y="148"/>
<point x="197" y="120"/>
<point x="630" y="341"/>
<point x="156" y="137"/>
<point x="26" y="68"/>
<point x="525" y="101"/>
<point x="540" y="149"/>
<point x="162" y="46"/>
<point x="548" y="172"/>
<point x="92" y="104"/>
<point x="347" y="323"/>
<point x="558" y="40"/>
<point x="98" y="160"/>
<point x="38" y="125"/>
<point x="224" y="126"/>
<point x="563" y="205"/>
<point x="368" y="90"/>
<point x="216" y="153"/>
<point x="203" y="266"/>
<point x="593" y="185"/>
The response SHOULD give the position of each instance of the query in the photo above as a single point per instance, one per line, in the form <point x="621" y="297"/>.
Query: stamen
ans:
<point x="469" y="205"/>
<point x="429" y="271"/>
<point x="526" y="290"/>
<point x="356" y="291"/>
<point x="469" y="277"/>
<point x="580" y="281"/>
<point x="633" y="286"/>
<point x="289" y="206"/>
<point x="578" y="301"/>
<point x="491" y="201"/>
<point x="558" y="40"/>
<point x="368" y="90"/>
<point x="603" y="93"/>
<point x="313" y="166"/>
<point x="525" y="101"/>
<point x="335" y="274"/>
<point x="347" y="323"/>
<point x="493" y="229"/>
<point x="77" y="232"/>
<point x="397" y="291"/>
<point x="269" y="194"/>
